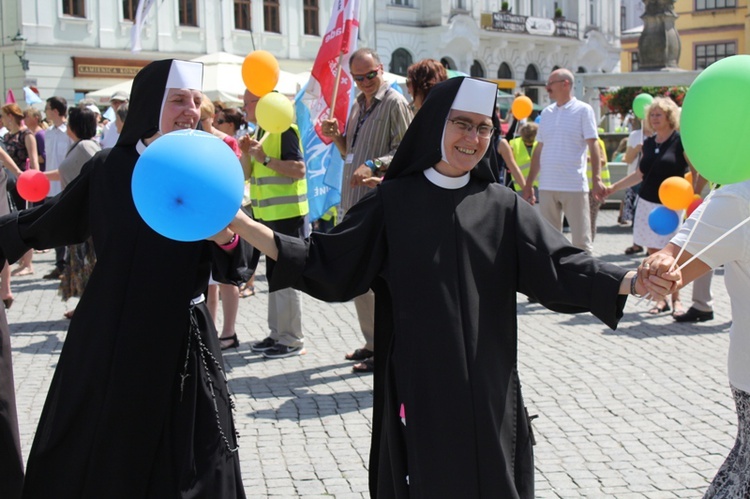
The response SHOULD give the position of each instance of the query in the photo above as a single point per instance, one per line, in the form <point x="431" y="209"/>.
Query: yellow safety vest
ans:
<point x="605" y="168"/>
<point x="523" y="159"/>
<point x="274" y="196"/>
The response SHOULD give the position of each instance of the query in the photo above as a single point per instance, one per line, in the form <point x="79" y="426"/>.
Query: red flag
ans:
<point x="10" y="98"/>
<point x="340" y="38"/>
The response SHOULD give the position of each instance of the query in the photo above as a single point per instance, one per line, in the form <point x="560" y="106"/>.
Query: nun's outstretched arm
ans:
<point x="258" y="235"/>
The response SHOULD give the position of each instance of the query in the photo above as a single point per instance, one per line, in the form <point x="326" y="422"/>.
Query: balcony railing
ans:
<point x="505" y="21"/>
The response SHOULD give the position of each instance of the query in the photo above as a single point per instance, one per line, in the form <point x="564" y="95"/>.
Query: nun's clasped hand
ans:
<point x="658" y="276"/>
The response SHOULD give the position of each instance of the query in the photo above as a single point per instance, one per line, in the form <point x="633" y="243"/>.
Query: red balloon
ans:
<point x="33" y="185"/>
<point x="693" y="205"/>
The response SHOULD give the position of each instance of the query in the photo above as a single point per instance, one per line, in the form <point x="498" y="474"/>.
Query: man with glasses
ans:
<point x="56" y="146"/>
<point x="377" y="122"/>
<point x="275" y="167"/>
<point x="566" y="129"/>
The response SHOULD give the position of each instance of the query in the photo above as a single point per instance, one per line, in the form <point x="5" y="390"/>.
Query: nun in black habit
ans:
<point x="138" y="406"/>
<point x="446" y="248"/>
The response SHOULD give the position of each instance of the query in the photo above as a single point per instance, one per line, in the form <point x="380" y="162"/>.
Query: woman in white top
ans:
<point x="727" y="207"/>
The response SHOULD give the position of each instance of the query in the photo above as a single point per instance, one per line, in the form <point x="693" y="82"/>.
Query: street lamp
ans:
<point x="20" y="43"/>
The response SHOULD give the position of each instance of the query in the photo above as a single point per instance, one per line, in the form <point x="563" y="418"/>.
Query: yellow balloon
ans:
<point x="274" y="112"/>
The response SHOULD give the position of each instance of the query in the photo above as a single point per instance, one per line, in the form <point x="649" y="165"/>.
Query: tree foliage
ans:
<point x="620" y="101"/>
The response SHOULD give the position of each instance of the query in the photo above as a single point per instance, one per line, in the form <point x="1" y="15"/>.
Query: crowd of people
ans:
<point x="431" y="246"/>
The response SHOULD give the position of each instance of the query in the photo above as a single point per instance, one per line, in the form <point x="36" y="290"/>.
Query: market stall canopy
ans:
<point x="222" y="80"/>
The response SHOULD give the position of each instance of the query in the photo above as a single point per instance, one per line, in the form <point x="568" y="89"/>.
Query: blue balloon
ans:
<point x="663" y="221"/>
<point x="538" y="118"/>
<point x="188" y="185"/>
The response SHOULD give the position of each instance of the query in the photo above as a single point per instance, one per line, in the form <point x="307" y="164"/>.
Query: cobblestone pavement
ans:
<point x="641" y="412"/>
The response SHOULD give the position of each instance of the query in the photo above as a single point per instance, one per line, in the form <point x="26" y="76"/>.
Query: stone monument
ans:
<point x="659" y="44"/>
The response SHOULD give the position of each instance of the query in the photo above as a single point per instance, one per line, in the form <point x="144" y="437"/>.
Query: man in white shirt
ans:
<point x="56" y="146"/>
<point x="566" y="129"/>
<point x="110" y="133"/>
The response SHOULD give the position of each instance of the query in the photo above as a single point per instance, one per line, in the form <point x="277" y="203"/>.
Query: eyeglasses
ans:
<point x="220" y="122"/>
<point x="553" y="82"/>
<point x="483" y="131"/>
<point x="369" y="76"/>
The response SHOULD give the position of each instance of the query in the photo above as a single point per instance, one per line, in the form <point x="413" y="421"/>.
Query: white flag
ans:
<point x="144" y="6"/>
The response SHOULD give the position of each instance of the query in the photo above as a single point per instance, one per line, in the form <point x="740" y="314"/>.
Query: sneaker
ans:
<point x="280" y="351"/>
<point x="262" y="346"/>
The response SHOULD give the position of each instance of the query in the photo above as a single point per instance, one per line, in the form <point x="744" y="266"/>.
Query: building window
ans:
<point x="707" y="54"/>
<point x="476" y="69"/>
<point x="459" y="4"/>
<point x="188" y="13"/>
<point x="128" y="9"/>
<point x="715" y="4"/>
<point x="623" y="18"/>
<point x="447" y="63"/>
<point x="531" y="74"/>
<point x="402" y="3"/>
<point x="593" y="14"/>
<point x="271" y="21"/>
<point x="74" y="8"/>
<point x="504" y="72"/>
<point x="400" y="61"/>
<point x="243" y="15"/>
<point x="634" y="61"/>
<point x="311" y="18"/>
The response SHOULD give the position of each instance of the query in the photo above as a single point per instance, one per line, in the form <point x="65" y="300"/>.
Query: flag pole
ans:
<point x="336" y="85"/>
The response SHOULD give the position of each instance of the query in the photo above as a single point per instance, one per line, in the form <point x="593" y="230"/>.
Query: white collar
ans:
<point x="444" y="181"/>
<point x="140" y="147"/>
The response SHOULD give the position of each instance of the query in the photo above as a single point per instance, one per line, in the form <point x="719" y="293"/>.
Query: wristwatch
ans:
<point x="266" y="160"/>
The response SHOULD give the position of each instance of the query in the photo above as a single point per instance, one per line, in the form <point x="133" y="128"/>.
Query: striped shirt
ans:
<point x="564" y="130"/>
<point x="373" y="134"/>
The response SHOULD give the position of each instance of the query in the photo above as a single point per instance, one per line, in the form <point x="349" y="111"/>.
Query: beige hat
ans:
<point x="119" y="95"/>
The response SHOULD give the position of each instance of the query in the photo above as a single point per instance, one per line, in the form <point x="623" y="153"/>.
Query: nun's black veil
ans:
<point x="146" y="99"/>
<point x="420" y="147"/>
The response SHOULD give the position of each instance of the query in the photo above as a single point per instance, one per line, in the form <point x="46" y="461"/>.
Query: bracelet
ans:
<point x="633" y="292"/>
<point x="231" y="244"/>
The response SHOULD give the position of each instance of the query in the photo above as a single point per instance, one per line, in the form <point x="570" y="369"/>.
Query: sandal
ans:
<point x="229" y="342"/>
<point x="632" y="250"/>
<point x="677" y="309"/>
<point x="359" y="354"/>
<point x="366" y="366"/>
<point x="659" y="309"/>
<point x="246" y="291"/>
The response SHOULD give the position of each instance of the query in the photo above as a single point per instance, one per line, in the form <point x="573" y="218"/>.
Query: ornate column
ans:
<point x="659" y="44"/>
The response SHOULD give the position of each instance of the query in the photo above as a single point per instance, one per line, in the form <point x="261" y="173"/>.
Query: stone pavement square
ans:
<point x="641" y="412"/>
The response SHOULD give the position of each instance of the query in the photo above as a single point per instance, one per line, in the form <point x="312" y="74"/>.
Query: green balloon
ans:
<point x="715" y="121"/>
<point x="640" y="103"/>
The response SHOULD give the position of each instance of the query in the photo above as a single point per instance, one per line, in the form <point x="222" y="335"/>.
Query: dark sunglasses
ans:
<point x="220" y="121"/>
<point x="369" y="76"/>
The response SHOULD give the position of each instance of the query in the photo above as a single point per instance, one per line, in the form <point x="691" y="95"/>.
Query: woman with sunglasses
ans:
<point x="230" y="121"/>
<point x="446" y="248"/>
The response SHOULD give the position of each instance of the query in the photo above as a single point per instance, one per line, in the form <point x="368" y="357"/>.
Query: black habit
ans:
<point x="138" y="406"/>
<point x="445" y="265"/>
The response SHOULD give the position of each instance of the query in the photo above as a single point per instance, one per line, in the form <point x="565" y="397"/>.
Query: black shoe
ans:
<point x="262" y="346"/>
<point x="55" y="274"/>
<point x="279" y="351"/>
<point x="694" y="315"/>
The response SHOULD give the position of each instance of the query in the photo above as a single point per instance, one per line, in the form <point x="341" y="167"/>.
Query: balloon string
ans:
<point x="692" y="230"/>
<point x="713" y="243"/>
<point x="682" y="249"/>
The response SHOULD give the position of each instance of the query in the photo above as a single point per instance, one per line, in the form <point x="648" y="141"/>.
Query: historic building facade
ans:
<point x="709" y="30"/>
<point x="70" y="47"/>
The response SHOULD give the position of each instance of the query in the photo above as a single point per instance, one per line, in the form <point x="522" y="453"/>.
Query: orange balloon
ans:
<point x="689" y="177"/>
<point x="260" y="72"/>
<point x="676" y="193"/>
<point x="522" y="107"/>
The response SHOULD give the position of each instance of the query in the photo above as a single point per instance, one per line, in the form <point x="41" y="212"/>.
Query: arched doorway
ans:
<point x="476" y="69"/>
<point x="504" y="72"/>
<point x="400" y="61"/>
